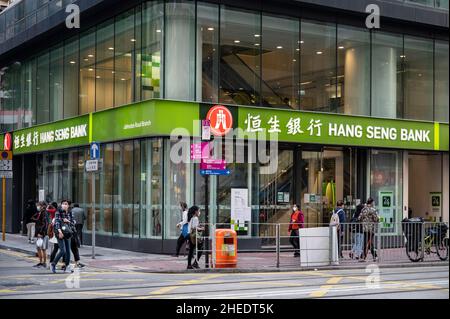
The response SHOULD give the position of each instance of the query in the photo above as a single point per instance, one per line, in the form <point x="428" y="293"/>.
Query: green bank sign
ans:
<point x="162" y="117"/>
<point x="332" y="129"/>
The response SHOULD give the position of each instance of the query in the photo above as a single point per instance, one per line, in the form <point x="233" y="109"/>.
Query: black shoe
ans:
<point x="63" y="268"/>
<point x="80" y="265"/>
<point x="190" y="267"/>
<point x="297" y="255"/>
<point x="37" y="265"/>
<point x="196" y="266"/>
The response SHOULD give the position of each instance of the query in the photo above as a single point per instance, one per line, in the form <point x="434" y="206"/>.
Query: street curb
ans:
<point x="264" y="270"/>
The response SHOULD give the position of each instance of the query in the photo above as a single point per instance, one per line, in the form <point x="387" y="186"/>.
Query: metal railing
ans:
<point x="261" y="245"/>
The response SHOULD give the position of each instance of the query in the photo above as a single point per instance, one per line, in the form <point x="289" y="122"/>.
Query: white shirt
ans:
<point x="184" y="219"/>
<point x="193" y="223"/>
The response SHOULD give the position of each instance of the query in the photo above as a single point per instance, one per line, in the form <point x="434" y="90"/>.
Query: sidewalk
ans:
<point x="124" y="260"/>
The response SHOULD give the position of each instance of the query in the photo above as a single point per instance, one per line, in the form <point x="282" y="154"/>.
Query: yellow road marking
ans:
<point x="334" y="280"/>
<point x="5" y="291"/>
<point x="101" y="293"/>
<point x="326" y="288"/>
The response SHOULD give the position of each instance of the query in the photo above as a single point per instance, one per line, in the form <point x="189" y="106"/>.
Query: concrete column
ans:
<point x="357" y="81"/>
<point x="180" y="51"/>
<point x="384" y="82"/>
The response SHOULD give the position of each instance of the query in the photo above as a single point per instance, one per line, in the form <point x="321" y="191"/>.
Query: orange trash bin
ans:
<point x="226" y="248"/>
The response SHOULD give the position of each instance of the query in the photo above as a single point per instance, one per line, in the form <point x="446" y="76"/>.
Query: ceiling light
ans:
<point x="159" y="31"/>
<point x="294" y="60"/>
<point x="122" y="79"/>
<point x="210" y="29"/>
<point x="257" y="44"/>
<point x="297" y="49"/>
<point x="237" y="41"/>
<point x="279" y="47"/>
<point x="111" y="48"/>
<point x="86" y="59"/>
<point x="403" y="56"/>
<point x="90" y="70"/>
<point x="302" y="42"/>
<point x="319" y="52"/>
<point x="90" y="55"/>
<point x="72" y="62"/>
<point x="257" y="35"/>
<point x="97" y="77"/>
<point x="133" y="40"/>
<point x="341" y="47"/>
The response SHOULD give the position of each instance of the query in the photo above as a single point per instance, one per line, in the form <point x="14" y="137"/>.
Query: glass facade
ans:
<point x="228" y="56"/>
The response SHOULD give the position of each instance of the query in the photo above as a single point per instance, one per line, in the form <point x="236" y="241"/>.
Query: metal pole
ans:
<point x="206" y="221"/>
<point x="3" y="208"/>
<point x="277" y="229"/>
<point x="93" y="215"/>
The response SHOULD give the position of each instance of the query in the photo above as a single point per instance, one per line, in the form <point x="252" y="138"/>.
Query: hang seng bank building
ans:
<point x="307" y="103"/>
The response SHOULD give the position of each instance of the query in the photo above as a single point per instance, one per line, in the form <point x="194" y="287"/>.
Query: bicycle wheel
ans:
<point x="414" y="253"/>
<point x="442" y="249"/>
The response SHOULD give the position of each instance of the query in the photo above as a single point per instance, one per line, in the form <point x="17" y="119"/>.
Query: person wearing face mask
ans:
<point x="296" y="222"/>
<point x="195" y="242"/>
<point x="42" y="222"/>
<point x="62" y="229"/>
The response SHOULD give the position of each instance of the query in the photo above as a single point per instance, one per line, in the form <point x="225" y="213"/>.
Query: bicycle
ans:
<point x="434" y="242"/>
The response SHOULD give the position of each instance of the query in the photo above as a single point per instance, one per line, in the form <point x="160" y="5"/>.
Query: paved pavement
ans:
<point x="123" y="260"/>
<point x="18" y="280"/>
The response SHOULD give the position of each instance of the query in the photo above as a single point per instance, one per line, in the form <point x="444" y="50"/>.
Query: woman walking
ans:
<point x="194" y="237"/>
<point x="64" y="224"/>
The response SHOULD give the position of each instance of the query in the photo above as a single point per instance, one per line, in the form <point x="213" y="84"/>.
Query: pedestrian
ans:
<point x="183" y="226"/>
<point x="51" y="210"/>
<point x="30" y="212"/>
<point x="63" y="232"/>
<point x="296" y="222"/>
<point x="358" y="235"/>
<point x="338" y="217"/>
<point x="79" y="216"/>
<point x="42" y="222"/>
<point x="369" y="218"/>
<point x="195" y="242"/>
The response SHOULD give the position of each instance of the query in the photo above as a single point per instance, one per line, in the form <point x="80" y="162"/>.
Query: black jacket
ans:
<point x="30" y="211"/>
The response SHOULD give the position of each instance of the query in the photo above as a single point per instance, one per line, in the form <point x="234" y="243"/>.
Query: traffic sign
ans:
<point x="91" y="165"/>
<point x="95" y="151"/>
<point x="6" y="174"/>
<point x="215" y="172"/>
<point x="215" y="164"/>
<point x="6" y="155"/>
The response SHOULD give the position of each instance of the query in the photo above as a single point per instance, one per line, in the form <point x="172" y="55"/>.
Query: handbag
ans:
<point x="185" y="230"/>
<point x="67" y="231"/>
<point x="194" y="239"/>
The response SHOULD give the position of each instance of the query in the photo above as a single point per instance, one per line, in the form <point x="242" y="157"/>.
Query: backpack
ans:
<point x="185" y="230"/>
<point x="334" y="220"/>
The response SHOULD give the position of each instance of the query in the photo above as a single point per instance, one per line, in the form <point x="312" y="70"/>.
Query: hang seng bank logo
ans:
<point x="221" y="120"/>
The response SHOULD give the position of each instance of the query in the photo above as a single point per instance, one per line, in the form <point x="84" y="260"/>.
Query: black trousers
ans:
<point x="294" y="240"/>
<point x="181" y="240"/>
<point x="79" y="228"/>
<point x="193" y="247"/>
<point x="369" y="243"/>
<point x="73" y="248"/>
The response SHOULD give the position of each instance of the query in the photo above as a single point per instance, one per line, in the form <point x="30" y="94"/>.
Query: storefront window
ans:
<point x="207" y="52"/>
<point x="240" y="61"/>
<point x="42" y="89"/>
<point x="353" y="91"/>
<point x="280" y="62"/>
<point x="151" y="181"/>
<point x="387" y="75"/>
<point x="123" y="189"/>
<point x="441" y="85"/>
<point x="87" y="72"/>
<point x="29" y="94"/>
<point x="123" y="61"/>
<point x="318" y="67"/>
<point x="56" y="80"/>
<point x="418" y="79"/>
<point x="104" y="75"/>
<point x="71" y="71"/>
<point x="149" y="67"/>
<point x="178" y="186"/>
<point x="386" y="187"/>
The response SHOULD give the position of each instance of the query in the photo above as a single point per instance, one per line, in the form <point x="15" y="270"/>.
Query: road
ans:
<point x="19" y="280"/>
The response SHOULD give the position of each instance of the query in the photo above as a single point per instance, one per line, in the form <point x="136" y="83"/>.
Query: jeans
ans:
<point x="294" y="240"/>
<point x="74" y="248"/>
<point x="79" y="228"/>
<point x="31" y="229"/>
<point x="181" y="240"/>
<point x="358" y="244"/>
<point x="193" y="247"/>
<point x="64" y="250"/>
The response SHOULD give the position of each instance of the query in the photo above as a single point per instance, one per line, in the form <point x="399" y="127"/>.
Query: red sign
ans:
<point x="7" y="143"/>
<point x="221" y="120"/>
<point x="214" y="164"/>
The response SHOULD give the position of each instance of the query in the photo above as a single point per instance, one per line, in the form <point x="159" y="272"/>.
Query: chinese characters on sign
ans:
<point x="22" y="140"/>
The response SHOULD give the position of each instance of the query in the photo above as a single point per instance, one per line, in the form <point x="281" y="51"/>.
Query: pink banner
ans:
<point x="215" y="164"/>
<point x="200" y="151"/>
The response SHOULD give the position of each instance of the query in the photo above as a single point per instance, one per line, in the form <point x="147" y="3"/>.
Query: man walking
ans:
<point x="296" y="222"/>
<point x="79" y="216"/>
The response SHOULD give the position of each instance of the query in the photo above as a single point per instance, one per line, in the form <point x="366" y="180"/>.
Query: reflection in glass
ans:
<point x="441" y="81"/>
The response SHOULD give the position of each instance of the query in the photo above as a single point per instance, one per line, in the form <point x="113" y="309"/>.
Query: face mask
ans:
<point x="39" y="208"/>
<point x="65" y="206"/>
<point x="198" y="214"/>
<point x="294" y="209"/>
